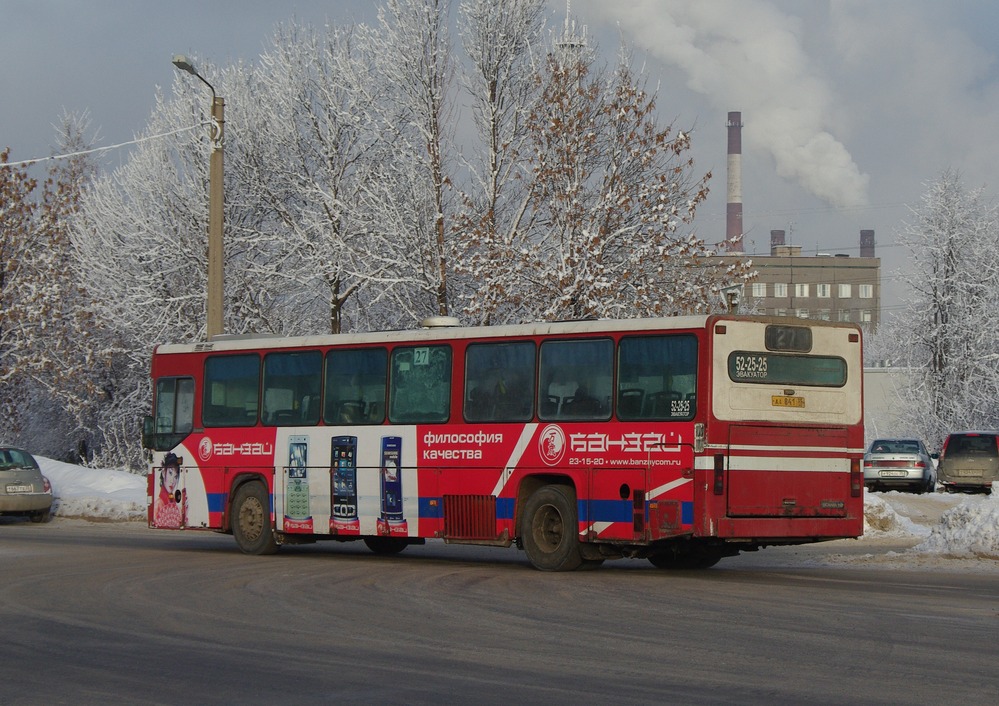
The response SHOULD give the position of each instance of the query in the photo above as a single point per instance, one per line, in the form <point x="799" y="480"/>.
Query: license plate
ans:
<point x="786" y="401"/>
<point x="892" y="474"/>
<point x="19" y="488"/>
<point x="969" y="472"/>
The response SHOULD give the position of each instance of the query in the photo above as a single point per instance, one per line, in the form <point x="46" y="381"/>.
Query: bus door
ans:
<point x="787" y="471"/>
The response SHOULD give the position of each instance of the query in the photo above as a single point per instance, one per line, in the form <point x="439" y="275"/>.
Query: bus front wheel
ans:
<point x="251" y="519"/>
<point x="550" y="530"/>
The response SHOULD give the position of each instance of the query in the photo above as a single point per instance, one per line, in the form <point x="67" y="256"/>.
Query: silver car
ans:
<point x="23" y="488"/>
<point x="899" y="464"/>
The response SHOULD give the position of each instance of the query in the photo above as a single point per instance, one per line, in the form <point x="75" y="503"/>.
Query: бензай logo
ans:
<point x="205" y="449"/>
<point x="551" y="444"/>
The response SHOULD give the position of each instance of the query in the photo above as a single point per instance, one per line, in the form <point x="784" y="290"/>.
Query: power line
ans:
<point x="26" y="162"/>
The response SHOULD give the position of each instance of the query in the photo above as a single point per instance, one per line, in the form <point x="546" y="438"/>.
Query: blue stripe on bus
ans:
<point x="607" y="510"/>
<point x="216" y="502"/>
<point x="624" y="511"/>
<point x="687" y="513"/>
<point x="431" y="508"/>
<point x="505" y="508"/>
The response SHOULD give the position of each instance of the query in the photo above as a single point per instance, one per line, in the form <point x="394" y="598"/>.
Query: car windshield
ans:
<point x="15" y="458"/>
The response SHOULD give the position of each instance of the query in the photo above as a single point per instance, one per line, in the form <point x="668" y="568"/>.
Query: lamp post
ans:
<point x="215" y="202"/>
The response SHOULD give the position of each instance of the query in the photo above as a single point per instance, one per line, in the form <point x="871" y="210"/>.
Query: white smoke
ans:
<point x="747" y="55"/>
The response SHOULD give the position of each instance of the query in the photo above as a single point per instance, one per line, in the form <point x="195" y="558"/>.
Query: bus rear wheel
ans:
<point x="251" y="519"/>
<point x="550" y="529"/>
<point x="693" y="558"/>
<point x="386" y="545"/>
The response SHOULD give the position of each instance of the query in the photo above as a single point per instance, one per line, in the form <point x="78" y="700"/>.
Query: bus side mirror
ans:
<point x="148" y="428"/>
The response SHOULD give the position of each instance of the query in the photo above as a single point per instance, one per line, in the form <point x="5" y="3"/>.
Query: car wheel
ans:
<point x="42" y="516"/>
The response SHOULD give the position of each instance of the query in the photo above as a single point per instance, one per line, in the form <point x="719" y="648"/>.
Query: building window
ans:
<point x="801" y="290"/>
<point x="780" y="312"/>
<point x="759" y="289"/>
<point x="823" y="314"/>
<point x="865" y="316"/>
<point x="801" y="313"/>
<point x="844" y="314"/>
<point x="866" y="291"/>
<point x="823" y="291"/>
<point x="845" y="291"/>
<point x="780" y="290"/>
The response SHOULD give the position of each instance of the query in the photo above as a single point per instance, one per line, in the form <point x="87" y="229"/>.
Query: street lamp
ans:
<point x="215" y="202"/>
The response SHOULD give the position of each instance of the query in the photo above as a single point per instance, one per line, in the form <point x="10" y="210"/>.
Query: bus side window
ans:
<point x="576" y="379"/>
<point x="420" y="384"/>
<point x="291" y="379"/>
<point x="657" y="377"/>
<point x="232" y="389"/>
<point x="355" y="386"/>
<point x="499" y="382"/>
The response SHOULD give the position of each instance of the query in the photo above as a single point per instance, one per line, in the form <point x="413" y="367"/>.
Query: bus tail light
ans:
<point x="856" y="478"/>
<point x="719" y="474"/>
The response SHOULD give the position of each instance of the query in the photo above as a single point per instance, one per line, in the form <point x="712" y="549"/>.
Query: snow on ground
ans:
<point x="936" y="524"/>
<point x="94" y="493"/>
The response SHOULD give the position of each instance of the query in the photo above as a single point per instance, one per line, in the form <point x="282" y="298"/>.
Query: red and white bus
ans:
<point x="680" y="440"/>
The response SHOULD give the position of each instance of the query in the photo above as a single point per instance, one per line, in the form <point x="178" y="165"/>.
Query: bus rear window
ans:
<point x="781" y="369"/>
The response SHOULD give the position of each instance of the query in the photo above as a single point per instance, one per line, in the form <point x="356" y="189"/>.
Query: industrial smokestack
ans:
<point x="733" y="211"/>
<point x="776" y="241"/>
<point x="867" y="243"/>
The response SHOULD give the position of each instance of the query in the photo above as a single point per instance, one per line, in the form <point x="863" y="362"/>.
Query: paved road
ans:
<point x="116" y="613"/>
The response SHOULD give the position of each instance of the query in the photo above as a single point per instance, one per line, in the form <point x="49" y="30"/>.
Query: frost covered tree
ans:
<point x="48" y="366"/>
<point x="501" y="41"/>
<point x="411" y="193"/>
<point x="18" y="237"/>
<point x="607" y="190"/>
<point x="945" y="335"/>
<point x="310" y="167"/>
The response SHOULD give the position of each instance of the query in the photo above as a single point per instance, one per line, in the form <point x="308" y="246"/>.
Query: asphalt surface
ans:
<point x="117" y="613"/>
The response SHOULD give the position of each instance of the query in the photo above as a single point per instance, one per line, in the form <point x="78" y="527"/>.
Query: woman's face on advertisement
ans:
<point x="171" y="474"/>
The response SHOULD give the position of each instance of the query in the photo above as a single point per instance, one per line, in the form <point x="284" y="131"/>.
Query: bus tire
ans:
<point x="685" y="560"/>
<point x="549" y="529"/>
<point x="251" y="519"/>
<point x="386" y="545"/>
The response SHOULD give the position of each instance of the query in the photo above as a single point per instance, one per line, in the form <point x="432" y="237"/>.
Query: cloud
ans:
<point x="747" y="55"/>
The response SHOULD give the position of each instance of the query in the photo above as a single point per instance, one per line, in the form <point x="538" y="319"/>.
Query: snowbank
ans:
<point x="94" y="493"/>
<point x="969" y="529"/>
<point x="881" y="520"/>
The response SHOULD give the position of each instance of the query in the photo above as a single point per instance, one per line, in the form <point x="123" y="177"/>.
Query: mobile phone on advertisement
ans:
<point x="296" y="492"/>
<point x="391" y="478"/>
<point x="343" y="461"/>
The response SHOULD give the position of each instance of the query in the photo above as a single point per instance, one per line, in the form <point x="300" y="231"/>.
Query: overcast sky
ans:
<point x="850" y="107"/>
